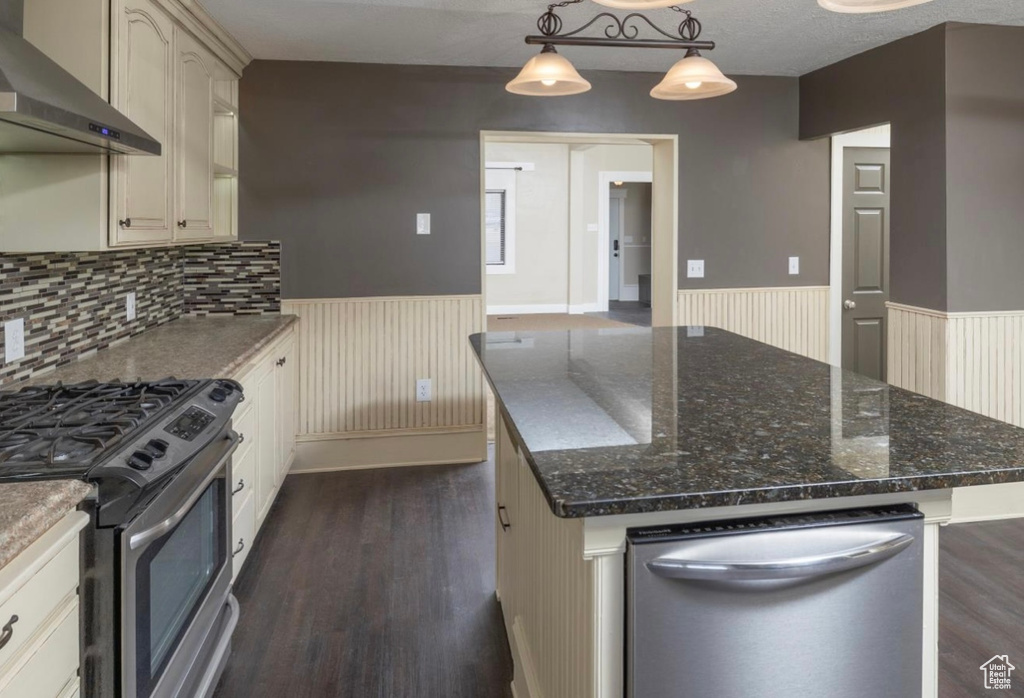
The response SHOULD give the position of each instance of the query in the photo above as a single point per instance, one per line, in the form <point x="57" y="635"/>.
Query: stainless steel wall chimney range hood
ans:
<point x="45" y="109"/>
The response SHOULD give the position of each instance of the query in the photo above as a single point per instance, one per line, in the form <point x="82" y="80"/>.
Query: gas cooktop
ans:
<point x="65" y="431"/>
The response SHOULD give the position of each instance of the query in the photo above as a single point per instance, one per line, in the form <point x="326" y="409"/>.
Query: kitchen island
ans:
<point x="605" y="431"/>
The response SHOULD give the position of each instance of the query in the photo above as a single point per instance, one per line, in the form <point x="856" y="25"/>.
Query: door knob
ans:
<point x="849" y="305"/>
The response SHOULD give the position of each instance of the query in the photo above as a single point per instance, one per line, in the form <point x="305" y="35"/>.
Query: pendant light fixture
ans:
<point x="864" y="6"/>
<point x="552" y="75"/>
<point x="548" y="74"/>
<point x="694" y="77"/>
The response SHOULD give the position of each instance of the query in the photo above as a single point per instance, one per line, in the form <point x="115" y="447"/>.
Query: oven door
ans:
<point x="176" y="575"/>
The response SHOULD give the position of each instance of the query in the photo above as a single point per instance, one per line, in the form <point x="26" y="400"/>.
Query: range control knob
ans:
<point x="156" y="448"/>
<point x="218" y="394"/>
<point x="140" y="460"/>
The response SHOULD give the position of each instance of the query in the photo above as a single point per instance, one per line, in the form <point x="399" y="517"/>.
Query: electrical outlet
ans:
<point x="14" y="340"/>
<point x="695" y="331"/>
<point x="423" y="224"/>
<point x="129" y="306"/>
<point x="423" y="390"/>
<point x="794" y="265"/>
<point x="695" y="268"/>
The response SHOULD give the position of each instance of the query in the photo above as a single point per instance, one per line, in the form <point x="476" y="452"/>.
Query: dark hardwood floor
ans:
<point x="373" y="584"/>
<point x="981" y="604"/>
<point x="379" y="584"/>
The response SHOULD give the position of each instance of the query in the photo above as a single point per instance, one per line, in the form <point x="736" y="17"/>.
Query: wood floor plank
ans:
<point x="373" y="584"/>
<point x="981" y="604"/>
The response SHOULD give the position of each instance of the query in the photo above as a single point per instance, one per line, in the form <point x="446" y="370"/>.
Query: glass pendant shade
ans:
<point x="640" y="4"/>
<point x="862" y="6"/>
<point x="548" y="75"/>
<point x="694" y="77"/>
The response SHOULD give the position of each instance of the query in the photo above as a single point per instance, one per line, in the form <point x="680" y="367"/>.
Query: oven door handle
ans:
<point x="147" y="536"/>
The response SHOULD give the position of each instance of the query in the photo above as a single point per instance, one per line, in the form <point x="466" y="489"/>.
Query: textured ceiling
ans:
<point x="755" y="37"/>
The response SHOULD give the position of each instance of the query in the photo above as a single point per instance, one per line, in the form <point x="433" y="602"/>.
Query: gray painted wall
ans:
<point x="985" y="177"/>
<point x="338" y="158"/>
<point x="902" y="83"/>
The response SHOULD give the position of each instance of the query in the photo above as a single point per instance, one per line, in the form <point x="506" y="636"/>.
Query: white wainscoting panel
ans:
<point x="971" y="360"/>
<point x="795" y="319"/>
<point x="360" y="358"/>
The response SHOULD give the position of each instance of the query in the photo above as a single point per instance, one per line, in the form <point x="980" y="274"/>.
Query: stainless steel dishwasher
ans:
<point x="809" y="606"/>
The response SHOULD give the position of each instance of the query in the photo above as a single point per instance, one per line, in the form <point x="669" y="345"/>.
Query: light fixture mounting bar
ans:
<point x="539" y="40"/>
<point x="619" y="31"/>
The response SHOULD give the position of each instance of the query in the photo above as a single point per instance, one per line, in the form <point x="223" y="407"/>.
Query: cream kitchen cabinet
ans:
<point x="143" y="90"/>
<point x="267" y="421"/>
<point x="193" y="150"/>
<point x="39" y="613"/>
<point x="174" y="71"/>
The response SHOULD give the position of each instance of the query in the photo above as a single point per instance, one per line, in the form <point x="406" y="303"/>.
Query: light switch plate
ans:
<point x="129" y="306"/>
<point x="423" y="224"/>
<point x="423" y="390"/>
<point x="14" y="340"/>
<point x="695" y="268"/>
<point x="794" y="265"/>
<point x="593" y="227"/>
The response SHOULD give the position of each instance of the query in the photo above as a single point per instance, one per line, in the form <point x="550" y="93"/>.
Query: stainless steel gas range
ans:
<point x="157" y="609"/>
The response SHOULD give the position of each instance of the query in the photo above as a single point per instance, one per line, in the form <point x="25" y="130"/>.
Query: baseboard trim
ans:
<point x="335" y="452"/>
<point x="559" y="308"/>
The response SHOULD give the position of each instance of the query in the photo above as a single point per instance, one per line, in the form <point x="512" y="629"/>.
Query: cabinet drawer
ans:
<point x="243" y="476"/>
<point x="243" y="530"/>
<point x="46" y="672"/>
<point x="37" y="600"/>
<point x="245" y="421"/>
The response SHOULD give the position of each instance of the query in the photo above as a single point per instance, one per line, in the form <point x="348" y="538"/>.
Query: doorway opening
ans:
<point x="548" y="259"/>
<point x="624" y="233"/>
<point x="859" y="265"/>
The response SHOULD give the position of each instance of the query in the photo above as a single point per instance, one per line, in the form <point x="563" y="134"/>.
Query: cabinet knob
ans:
<point x="126" y="223"/>
<point x="282" y="361"/>
<point x="183" y="223"/>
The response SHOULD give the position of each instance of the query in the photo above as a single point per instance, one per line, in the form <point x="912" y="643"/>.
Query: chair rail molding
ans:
<point x="794" y="318"/>
<point x="359" y="360"/>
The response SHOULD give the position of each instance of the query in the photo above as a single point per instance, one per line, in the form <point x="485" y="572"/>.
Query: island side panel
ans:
<point x="546" y="587"/>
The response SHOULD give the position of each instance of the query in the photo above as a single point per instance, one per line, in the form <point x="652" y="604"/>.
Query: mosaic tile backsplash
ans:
<point x="74" y="303"/>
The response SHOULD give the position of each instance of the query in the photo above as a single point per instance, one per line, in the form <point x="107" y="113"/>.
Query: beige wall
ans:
<point x="588" y="162"/>
<point x="542" y="227"/>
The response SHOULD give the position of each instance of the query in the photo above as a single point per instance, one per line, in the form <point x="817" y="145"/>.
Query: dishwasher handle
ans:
<point x="772" y="570"/>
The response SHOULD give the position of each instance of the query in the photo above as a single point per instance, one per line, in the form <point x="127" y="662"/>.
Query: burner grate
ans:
<point x="73" y="426"/>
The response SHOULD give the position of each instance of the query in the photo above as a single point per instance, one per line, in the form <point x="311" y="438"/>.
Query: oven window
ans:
<point x="173" y="578"/>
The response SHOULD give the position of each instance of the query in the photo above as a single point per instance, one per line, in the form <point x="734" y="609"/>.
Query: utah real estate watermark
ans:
<point x="997" y="673"/>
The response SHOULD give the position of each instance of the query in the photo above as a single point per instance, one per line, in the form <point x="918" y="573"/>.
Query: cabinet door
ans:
<point x="143" y="89"/>
<point x="266" y="442"/>
<point x="287" y="421"/>
<point x="194" y="145"/>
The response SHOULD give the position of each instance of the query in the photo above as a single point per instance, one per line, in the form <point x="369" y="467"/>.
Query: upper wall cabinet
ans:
<point x="143" y="90"/>
<point x="172" y="70"/>
<point x="194" y="151"/>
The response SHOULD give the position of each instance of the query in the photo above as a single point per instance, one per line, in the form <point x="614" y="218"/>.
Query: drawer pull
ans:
<point x="241" y="438"/>
<point x="241" y="486"/>
<point x="126" y="223"/>
<point x="238" y="548"/>
<point x="282" y="361"/>
<point x="8" y="632"/>
<point x="503" y="518"/>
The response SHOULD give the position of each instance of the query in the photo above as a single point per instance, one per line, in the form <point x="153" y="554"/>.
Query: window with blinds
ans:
<point x="494" y="223"/>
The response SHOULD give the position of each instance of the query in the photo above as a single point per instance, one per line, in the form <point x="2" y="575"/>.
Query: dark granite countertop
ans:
<point x="619" y="421"/>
